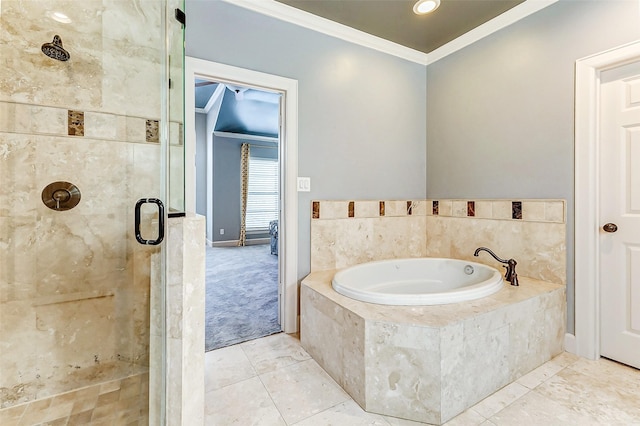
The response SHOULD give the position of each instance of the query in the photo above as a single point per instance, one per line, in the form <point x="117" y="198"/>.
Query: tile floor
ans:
<point x="273" y="381"/>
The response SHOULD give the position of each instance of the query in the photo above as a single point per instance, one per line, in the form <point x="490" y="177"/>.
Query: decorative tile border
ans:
<point x="535" y="210"/>
<point x="52" y="121"/>
<point x="328" y="209"/>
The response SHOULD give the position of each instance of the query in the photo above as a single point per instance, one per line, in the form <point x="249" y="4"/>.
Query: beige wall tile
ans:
<point x="334" y="209"/>
<point x="135" y="129"/>
<point x="347" y="242"/>
<point x="459" y="208"/>
<point x="502" y="209"/>
<point x="445" y="208"/>
<point x="367" y="209"/>
<point x="7" y="117"/>
<point x="533" y="210"/>
<point x="484" y="209"/>
<point x="555" y="211"/>
<point x="323" y="244"/>
<point x="40" y="120"/>
<point x="538" y="247"/>
<point x="101" y="126"/>
<point x="395" y="208"/>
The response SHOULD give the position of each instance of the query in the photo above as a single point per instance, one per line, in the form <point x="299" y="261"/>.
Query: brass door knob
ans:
<point x="610" y="227"/>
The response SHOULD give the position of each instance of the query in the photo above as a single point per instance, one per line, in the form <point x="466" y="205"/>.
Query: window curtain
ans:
<point x="244" y="189"/>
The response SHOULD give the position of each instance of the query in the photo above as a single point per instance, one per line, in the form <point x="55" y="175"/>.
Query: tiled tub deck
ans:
<point x="430" y="363"/>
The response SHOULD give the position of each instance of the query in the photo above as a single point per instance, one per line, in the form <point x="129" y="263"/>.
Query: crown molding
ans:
<point x="528" y="7"/>
<point x="307" y="20"/>
<point x="243" y="136"/>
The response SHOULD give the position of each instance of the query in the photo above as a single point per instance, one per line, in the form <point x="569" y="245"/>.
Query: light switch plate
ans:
<point x="304" y="184"/>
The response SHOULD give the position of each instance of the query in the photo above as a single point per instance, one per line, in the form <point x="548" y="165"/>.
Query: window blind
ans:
<point x="262" y="196"/>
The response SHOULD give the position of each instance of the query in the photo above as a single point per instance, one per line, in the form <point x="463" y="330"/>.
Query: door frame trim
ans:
<point x="288" y="228"/>
<point x="587" y="203"/>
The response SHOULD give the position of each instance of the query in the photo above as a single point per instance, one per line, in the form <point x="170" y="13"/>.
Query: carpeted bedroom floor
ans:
<point x="242" y="295"/>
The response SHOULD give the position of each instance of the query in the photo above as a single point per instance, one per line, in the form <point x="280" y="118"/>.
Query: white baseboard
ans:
<point x="570" y="343"/>
<point x="234" y="243"/>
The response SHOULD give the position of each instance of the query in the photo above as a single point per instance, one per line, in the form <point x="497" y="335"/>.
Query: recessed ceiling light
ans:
<point x="60" y="17"/>
<point x="425" y="6"/>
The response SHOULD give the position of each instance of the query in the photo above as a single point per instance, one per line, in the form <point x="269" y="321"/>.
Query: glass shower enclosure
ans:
<point x="87" y="118"/>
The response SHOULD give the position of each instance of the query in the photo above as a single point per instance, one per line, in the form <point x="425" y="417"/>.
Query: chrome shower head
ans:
<point x="55" y="50"/>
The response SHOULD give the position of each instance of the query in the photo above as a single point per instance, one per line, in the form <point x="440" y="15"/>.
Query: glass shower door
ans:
<point x="84" y="134"/>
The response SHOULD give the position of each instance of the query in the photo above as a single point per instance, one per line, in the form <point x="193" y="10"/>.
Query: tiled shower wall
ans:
<point x="74" y="285"/>
<point x="345" y="233"/>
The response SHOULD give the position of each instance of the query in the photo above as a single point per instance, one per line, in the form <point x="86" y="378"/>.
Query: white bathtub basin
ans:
<point x="419" y="281"/>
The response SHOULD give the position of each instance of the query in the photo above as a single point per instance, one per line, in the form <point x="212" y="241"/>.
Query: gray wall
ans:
<point x="201" y="164"/>
<point x="226" y="185"/>
<point x="226" y="188"/>
<point x="361" y="112"/>
<point x="500" y="112"/>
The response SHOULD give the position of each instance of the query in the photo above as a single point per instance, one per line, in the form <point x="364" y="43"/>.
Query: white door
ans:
<point x="619" y="194"/>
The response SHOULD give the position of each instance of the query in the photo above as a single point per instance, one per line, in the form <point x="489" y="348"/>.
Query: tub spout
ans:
<point x="511" y="274"/>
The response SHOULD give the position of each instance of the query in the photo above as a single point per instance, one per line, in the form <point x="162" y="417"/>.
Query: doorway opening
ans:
<point x="280" y="234"/>
<point x="238" y="191"/>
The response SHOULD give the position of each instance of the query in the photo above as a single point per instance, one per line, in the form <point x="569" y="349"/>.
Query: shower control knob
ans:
<point x="61" y="196"/>
<point x="610" y="227"/>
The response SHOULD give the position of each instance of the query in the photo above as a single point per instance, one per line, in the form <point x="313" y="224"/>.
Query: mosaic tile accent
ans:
<point x="40" y="120"/>
<point x="538" y="210"/>
<point x="75" y="123"/>
<point x="534" y="210"/>
<point x="153" y="131"/>
<point x="516" y="210"/>
<point x="471" y="208"/>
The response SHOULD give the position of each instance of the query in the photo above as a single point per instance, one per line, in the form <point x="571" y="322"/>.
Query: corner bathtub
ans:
<point x="418" y="281"/>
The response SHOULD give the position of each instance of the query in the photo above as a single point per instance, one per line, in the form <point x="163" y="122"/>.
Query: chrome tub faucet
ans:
<point x="510" y="275"/>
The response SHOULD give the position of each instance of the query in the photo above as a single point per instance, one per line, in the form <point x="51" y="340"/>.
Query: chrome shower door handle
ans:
<point x="160" y="221"/>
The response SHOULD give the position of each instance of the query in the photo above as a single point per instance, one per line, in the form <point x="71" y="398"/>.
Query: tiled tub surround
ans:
<point x="531" y="231"/>
<point x="377" y="230"/>
<point x="74" y="285"/>
<point x="430" y="363"/>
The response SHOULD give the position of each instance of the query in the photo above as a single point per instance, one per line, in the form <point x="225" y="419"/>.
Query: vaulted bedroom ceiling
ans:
<point x="241" y="109"/>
